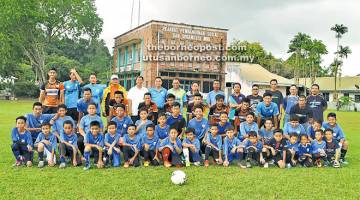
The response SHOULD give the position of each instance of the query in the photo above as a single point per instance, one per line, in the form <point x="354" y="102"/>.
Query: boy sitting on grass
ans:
<point x="232" y="147"/>
<point x="253" y="150"/>
<point x="142" y="123"/>
<point x="46" y="146"/>
<point x="171" y="149"/>
<point x="318" y="146"/>
<point x="162" y="129"/>
<point x="191" y="148"/>
<point x="21" y="143"/>
<point x="247" y="126"/>
<point x="276" y="150"/>
<point x="305" y="157"/>
<point x="68" y="145"/>
<point x="213" y="144"/>
<point x="149" y="145"/>
<point x="94" y="144"/>
<point x="332" y="149"/>
<point x="131" y="143"/>
<point x="122" y="120"/>
<point x="112" y="148"/>
<point x="292" y="149"/>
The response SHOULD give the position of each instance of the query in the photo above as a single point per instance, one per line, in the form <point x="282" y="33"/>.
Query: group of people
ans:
<point x="173" y="127"/>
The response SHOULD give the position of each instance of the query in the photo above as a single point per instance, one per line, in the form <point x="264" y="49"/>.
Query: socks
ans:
<point x="241" y="156"/>
<point x="62" y="159"/>
<point x="41" y="156"/>
<point x="186" y="154"/>
<point x="87" y="158"/>
<point x="343" y="153"/>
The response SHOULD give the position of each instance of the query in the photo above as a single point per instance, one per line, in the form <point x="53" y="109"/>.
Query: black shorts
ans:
<point x="49" y="110"/>
<point x="73" y="113"/>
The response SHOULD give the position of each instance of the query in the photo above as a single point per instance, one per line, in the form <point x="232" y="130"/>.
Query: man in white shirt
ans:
<point x="135" y="97"/>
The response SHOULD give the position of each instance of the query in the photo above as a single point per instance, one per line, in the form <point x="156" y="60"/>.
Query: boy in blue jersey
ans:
<point x="317" y="124"/>
<point x="267" y="109"/>
<point x="122" y="120"/>
<point x="199" y="124"/>
<point x="247" y="126"/>
<point x="253" y="149"/>
<point x="97" y="90"/>
<point x="232" y="147"/>
<point x="71" y="93"/>
<point x="213" y="147"/>
<point x="162" y="129"/>
<point x="223" y="124"/>
<point x="276" y="149"/>
<point x="94" y="144"/>
<point x="111" y="143"/>
<point x="191" y="148"/>
<point x="305" y="157"/>
<point x="149" y="145"/>
<point x="46" y="146"/>
<point x="293" y="126"/>
<point x="171" y="149"/>
<point x="292" y="149"/>
<point x="35" y="119"/>
<point x="338" y="135"/>
<point x="22" y="144"/>
<point x="176" y="120"/>
<point x="131" y="143"/>
<point x="170" y="100"/>
<point x="83" y="104"/>
<point x="332" y="149"/>
<point x="68" y="145"/>
<point x="58" y="125"/>
<point x="267" y="132"/>
<point x="142" y="123"/>
<point x="318" y="146"/>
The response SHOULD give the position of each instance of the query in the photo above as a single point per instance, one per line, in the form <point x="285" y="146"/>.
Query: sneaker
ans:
<point x="62" y="165"/>
<point x="197" y="164"/>
<point x="29" y="163"/>
<point x="266" y="165"/>
<point x="318" y="163"/>
<point x="271" y="162"/>
<point x="248" y="165"/>
<point x="343" y="161"/>
<point x="336" y="164"/>
<point x="206" y="163"/>
<point x="87" y="167"/>
<point x="167" y="164"/>
<point x="22" y="159"/>
<point x="41" y="164"/>
<point x="146" y="164"/>
<point x="288" y="165"/>
<point x="187" y="164"/>
<point x="242" y="164"/>
<point x="253" y="162"/>
<point x="126" y="165"/>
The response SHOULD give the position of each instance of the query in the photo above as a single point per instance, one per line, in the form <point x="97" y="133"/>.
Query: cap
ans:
<point x="114" y="76"/>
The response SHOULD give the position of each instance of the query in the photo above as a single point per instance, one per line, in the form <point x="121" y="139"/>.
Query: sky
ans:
<point x="273" y="23"/>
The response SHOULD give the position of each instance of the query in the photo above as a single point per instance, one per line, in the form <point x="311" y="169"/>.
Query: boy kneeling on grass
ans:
<point x="68" y="145"/>
<point x="275" y="150"/>
<point x="305" y="157"/>
<point x="149" y="145"/>
<point x="131" y="144"/>
<point x="213" y="144"/>
<point x="46" y="146"/>
<point x="318" y="146"/>
<point x="253" y="149"/>
<point x="171" y="148"/>
<point x="94" y="144"/>
<point x="332" y="149"/>
<point x="21" y="143"/>
<point x="232" y="147"/>
<point x="191" y="148"/>
<point x="112" y="148"/>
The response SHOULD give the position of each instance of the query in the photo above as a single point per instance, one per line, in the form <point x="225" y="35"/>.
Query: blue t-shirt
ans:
<point x="267" y="111"/>
<point x="82" y="105"/>
<point x="304" y="149"/>
<point x="35" y="122"/>
<point x="51" y="138"/>
<point x="201" y="127"/>
<point x="91" y="139"/>
<point x="167" y="143"/>
<point x="97" y="91"/>
<point x="162" y="133"/>
<point x="210" y="99"/>
<point x="249" y="144"/>
<point x="316" y="147"/>
<point x="266" y="135"/>
<point x="245" y="128"/>
<point x="58" y="125"/>
<point x="122" y="124"/>
<point x="195" y="142"/>
<point x="158" y="97"/>
<point x="222" y="129"/>
<point x="216" y="141"/>
<point x="72" y="138"/>
<point x="294" y="147"/>
<point x="71" y="93"/>
<point x="229" y="144"/>
<point x="288" y="129"/>
<point x="153" y="142"/>
<point x="338" y="132"/>
<point x="135" y="141"/>
<point x="142" y="131"/>
<point x="87" y="119"/>
<point x="111" y="138"/>
<point x="24" y="138"/>
<point x="289" y="102"/>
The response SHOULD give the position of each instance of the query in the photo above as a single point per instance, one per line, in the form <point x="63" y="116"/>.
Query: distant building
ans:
<point x="132" y="47"/>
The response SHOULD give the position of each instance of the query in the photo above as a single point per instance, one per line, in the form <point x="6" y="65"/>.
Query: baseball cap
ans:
<point x="114" y="76"/>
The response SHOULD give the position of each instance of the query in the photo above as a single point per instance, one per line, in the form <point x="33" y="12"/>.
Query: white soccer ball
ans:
<point x="178" y="177"/>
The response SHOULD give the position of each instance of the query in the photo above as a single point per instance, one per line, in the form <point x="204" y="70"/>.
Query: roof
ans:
<point x="258" y="74"/>
<point x="346" y="83"/>
<point x="172" y="23"/>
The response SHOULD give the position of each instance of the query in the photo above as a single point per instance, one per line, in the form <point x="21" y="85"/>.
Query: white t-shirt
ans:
<point x="136" y="96"/>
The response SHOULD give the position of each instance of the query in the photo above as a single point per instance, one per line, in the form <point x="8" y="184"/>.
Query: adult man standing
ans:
<point x="51" y="93"/>
<point x="179" y="93"/>
<point x="290" y="101"/>
<point x="255" y="98"/>
<point x="317" y="103"/>
<point x="277" y="98"/>
<point x="109" y="94"/>
<point x="97" y="90"/>
<point x="72" y="92"/>
<point x="135" y="97"/>
<point x="210" y="99"/>
<point x="158" y="93"/>
<point x="303" y="111"/>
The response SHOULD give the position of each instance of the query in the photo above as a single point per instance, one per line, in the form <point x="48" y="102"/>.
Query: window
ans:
<point x="172" y="74"/>
<point x="346" y="94"/>
<point x="182" y="75"/>
<point x="326" y="96"/>
<point x="166" y="83"/>
<point x="206" y="86"/>
<point x="164" y="74"/>
<point x="357" y="98"/>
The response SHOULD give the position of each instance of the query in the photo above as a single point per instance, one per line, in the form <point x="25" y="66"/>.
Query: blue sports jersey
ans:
<point x="82" y="105"/>
<point x="91" y="139"/>
<point x="331" y="147"/>
<point x="135" y="141"/>
<point x="71" y="93"/>
<point x="24" y="138"/>
<point x="167" y="143"/>
<point x="338" y="132"/>
<point x="249" y="144"/>
<point x="158" y="97"/>
<point x="35" y="122"/>
<point x="304" y="149"/>
<point x="162" y="133"/>
<point x="97" y="91"/>
<point x="211" y="100"/>
<point x="267" y="111"/>
<point x="72" y="138"/>
<point x="316" y="147"/>
<point x="51" y="138"/>
<point x="294" y="147"/>
<point x="266" y="135"/>
<point x="122" y="124"/>
<point x="245" y="128"/>
<point x="288" y="129"/>
<point x="142" y="130"/>
<point x="201" y="127"/>
<point x="216" y="141"/>
<point x="111" y="138"/>
<point x="222" y="129"/>
<point x="87" y="119"/>
<point x="153" y="142"/>
<point x="289" y="102"/>
<point x="195" y="142"/>
<point x="230" y="144"/>
<point x="58" y="125"/>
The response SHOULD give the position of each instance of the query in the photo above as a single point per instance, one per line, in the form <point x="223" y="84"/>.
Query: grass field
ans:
<point x="154" y="183"/>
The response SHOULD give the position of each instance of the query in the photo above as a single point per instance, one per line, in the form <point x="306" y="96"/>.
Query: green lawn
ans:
<point x="154" y="183"/>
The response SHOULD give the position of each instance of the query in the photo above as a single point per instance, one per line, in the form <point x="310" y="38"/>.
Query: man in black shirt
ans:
<point x="317" y="103"/>
<point x="255" y="98"/>
<point x="303" y="111"/>
<point x="277" y="97"/>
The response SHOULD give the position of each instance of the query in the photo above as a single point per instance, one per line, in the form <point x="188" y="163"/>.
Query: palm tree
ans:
<point x="340" y="30"/>
<point x="298" y="45"/>
<point x="316" y="49"/>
